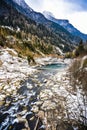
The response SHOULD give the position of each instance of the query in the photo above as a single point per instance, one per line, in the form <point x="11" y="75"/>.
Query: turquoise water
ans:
<point x="54" y="66"/>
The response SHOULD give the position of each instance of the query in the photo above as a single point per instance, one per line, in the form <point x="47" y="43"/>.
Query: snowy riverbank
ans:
<point x="13" y="70"/>
<point x="44" y="99"/>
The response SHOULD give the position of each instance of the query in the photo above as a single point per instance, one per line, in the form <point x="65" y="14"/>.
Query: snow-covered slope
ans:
<point x="22" y="4"/>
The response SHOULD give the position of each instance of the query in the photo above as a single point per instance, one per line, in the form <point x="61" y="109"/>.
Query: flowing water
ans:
<point x="16" y="112"/>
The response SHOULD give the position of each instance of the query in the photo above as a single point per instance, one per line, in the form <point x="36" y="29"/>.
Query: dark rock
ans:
<point x="20" y="108"/>
<point x="3" y="117"/>
<point x="22" y="90"/>
<point x="32" y="120"/>
<point x="70" y="128"/>
<point x="18" y="126"/>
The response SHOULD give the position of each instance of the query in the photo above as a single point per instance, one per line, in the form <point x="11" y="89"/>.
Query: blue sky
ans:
<point x="80" y="5"/>
<point x="73" y="10"/>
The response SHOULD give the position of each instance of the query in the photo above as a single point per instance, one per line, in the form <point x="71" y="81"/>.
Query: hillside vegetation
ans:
<point x="25" y="44"/>
<point x="79" y="51"/>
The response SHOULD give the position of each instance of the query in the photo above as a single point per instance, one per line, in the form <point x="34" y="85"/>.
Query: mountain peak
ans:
<point x="48" y="14"/>
<point x="51" y="17"/>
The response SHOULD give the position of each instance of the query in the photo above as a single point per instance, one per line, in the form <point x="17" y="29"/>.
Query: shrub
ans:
<point x="2" y="43"/>
<point x="80" y="49"/>
<point x="68" y="55"/>
<point x="19" y="55"/>
<point x="79" y="75"/>
<point x="30" y="59"/>
<point x="78" y="78"/>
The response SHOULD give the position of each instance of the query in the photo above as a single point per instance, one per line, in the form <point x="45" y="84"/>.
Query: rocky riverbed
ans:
<point x="36" y="99"/>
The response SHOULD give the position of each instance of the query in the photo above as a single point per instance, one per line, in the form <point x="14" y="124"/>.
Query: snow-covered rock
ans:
<point x="13" y="69"/>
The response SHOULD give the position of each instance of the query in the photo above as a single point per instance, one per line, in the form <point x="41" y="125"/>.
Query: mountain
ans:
<point x="44" y="35"/>
<point x="65" y="23"/>
<point x="24" y="9"/>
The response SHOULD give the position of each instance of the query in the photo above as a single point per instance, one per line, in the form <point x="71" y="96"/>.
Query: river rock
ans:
<point x="1" y="86"/>
<point x="48" y="105"/>
<point x="46" y="94"/>
<point x="9" y="90"/>
<point x="1" y="103"/>
<point x="39" y="103"/>
<point x="29" y="86"/>
<point x="6" y="87"/>
<point x="41" y="114"/>
<point x="23" y="121"/>
<point x="45" y="81"/>
<point x="23" y="112"/>
<point x="2" y="96"/>
<point x="35" y="109"/>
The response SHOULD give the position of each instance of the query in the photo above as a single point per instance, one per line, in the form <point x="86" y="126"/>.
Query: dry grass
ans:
<point x="1" y="63"/>
<point x="78" y="78"/>
<point x="78" y="75"/>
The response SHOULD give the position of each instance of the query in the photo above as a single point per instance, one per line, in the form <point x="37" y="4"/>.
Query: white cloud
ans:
<point x="56" y="7"/>
<point x="79" y="20"/>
